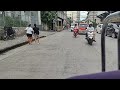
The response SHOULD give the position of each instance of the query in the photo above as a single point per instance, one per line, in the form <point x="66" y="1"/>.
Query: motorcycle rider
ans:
<point x="91" y="28"/>
<point x="76" y="28"/>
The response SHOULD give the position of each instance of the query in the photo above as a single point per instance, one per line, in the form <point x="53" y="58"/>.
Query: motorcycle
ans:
<point x="90" y="37"/>
<point x="8" y="35"/>
<point x="115" y="74"/>
<point x="75" y="32"/>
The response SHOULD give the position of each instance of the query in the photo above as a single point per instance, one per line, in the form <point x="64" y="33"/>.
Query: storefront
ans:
<point x="59" y="24"/>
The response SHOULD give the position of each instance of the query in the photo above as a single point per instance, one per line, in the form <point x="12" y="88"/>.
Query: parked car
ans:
<point x="99" y="28"/>
<point x="112" y="30"/>
<point x="82" y="28"/>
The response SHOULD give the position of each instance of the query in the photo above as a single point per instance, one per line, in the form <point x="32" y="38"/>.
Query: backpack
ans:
<point x="36" y="30"/>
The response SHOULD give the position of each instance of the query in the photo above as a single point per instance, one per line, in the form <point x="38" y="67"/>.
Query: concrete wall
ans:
<point x="44" y="27"/>
<point x="93" y="14"/>
<point x="20" y="31"/>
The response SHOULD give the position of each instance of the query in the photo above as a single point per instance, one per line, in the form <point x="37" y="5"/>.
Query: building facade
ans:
<point x="32" y="17"/>
<point x="73" y="15"/>
<point x="92" y="16"/>
<point x="78" y="16"/>
<point x="61" y="20"/>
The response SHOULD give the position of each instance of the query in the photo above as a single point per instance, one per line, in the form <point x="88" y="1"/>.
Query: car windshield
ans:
<point x="83" y="25"/>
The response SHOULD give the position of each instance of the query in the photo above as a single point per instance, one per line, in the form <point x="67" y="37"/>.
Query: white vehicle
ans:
<point x="99" y="28"/>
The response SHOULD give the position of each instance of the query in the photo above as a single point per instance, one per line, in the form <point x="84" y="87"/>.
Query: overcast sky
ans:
<point x="83" y="15"/>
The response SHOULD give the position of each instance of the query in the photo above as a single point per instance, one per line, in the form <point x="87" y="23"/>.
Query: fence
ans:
<point x="14" y="18"/>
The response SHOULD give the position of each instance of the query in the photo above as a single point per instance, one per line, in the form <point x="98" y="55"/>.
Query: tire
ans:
<point x="75" y="35"/>
<point x="90" y="41"/>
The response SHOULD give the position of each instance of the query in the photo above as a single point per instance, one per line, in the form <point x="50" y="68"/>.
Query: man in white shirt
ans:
<point x="91" y="28"/>
<point x="29" y="32"/>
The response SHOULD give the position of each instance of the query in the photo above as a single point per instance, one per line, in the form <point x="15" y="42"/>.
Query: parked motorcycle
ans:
<point x="9" y="34"/>
<point x="89" y="37"/>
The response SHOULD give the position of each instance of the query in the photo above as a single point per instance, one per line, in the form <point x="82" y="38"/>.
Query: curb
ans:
<point x="15" y="46"/>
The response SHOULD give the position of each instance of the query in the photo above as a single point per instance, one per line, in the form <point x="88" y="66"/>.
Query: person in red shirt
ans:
<point x="76" y="28"/>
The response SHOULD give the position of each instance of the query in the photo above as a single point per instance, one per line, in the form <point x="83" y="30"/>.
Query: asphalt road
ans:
<point x="58" y="56"/>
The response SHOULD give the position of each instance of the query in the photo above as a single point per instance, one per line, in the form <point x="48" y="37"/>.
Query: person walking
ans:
<point x="29" y="33"/>
<point x="36" y="33"/>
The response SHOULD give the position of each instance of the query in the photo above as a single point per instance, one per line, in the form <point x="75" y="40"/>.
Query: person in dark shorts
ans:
<point x="29" y="32"/>
<point x="36" y="33"/>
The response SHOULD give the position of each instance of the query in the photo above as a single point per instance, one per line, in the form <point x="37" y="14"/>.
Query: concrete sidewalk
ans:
<point x="20" y="40"/>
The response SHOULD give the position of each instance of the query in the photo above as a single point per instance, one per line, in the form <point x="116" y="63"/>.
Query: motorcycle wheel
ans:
<point x="90" y="41"/>
<point x="75" y="35"/>
<point x="4" y="38"/>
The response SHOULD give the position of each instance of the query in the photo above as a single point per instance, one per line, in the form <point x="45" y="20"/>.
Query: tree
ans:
<point x="94" y="23"/>
<point x="14" y="22"/>
<point x="69" y="20"/>
<point x="8" y="21"/>
<point x="47" y="17"/>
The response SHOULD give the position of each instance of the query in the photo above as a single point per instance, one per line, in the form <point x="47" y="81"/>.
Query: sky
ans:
<point x="83" y="15"/>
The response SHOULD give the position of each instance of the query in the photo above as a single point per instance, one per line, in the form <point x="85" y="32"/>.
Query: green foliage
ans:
<point x="94" y="23"/>
<point x="47" y="17"/>
<point x="69" y="20"/>
<point x="8" y="21"/>
<point x="14" y="22"/>
<point x="24" y="23"/>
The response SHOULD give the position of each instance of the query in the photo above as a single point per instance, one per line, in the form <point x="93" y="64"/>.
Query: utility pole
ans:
<point x="79" y="18"/>
<point x="72" y="16"/>
<point x="3" y="13"/>
<point x="30" y="17"/>
<point x="20" y="18"/>
<point x="39" y="17"/>
<point x="93" y="15"/>
<point x="13" y="18"/>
